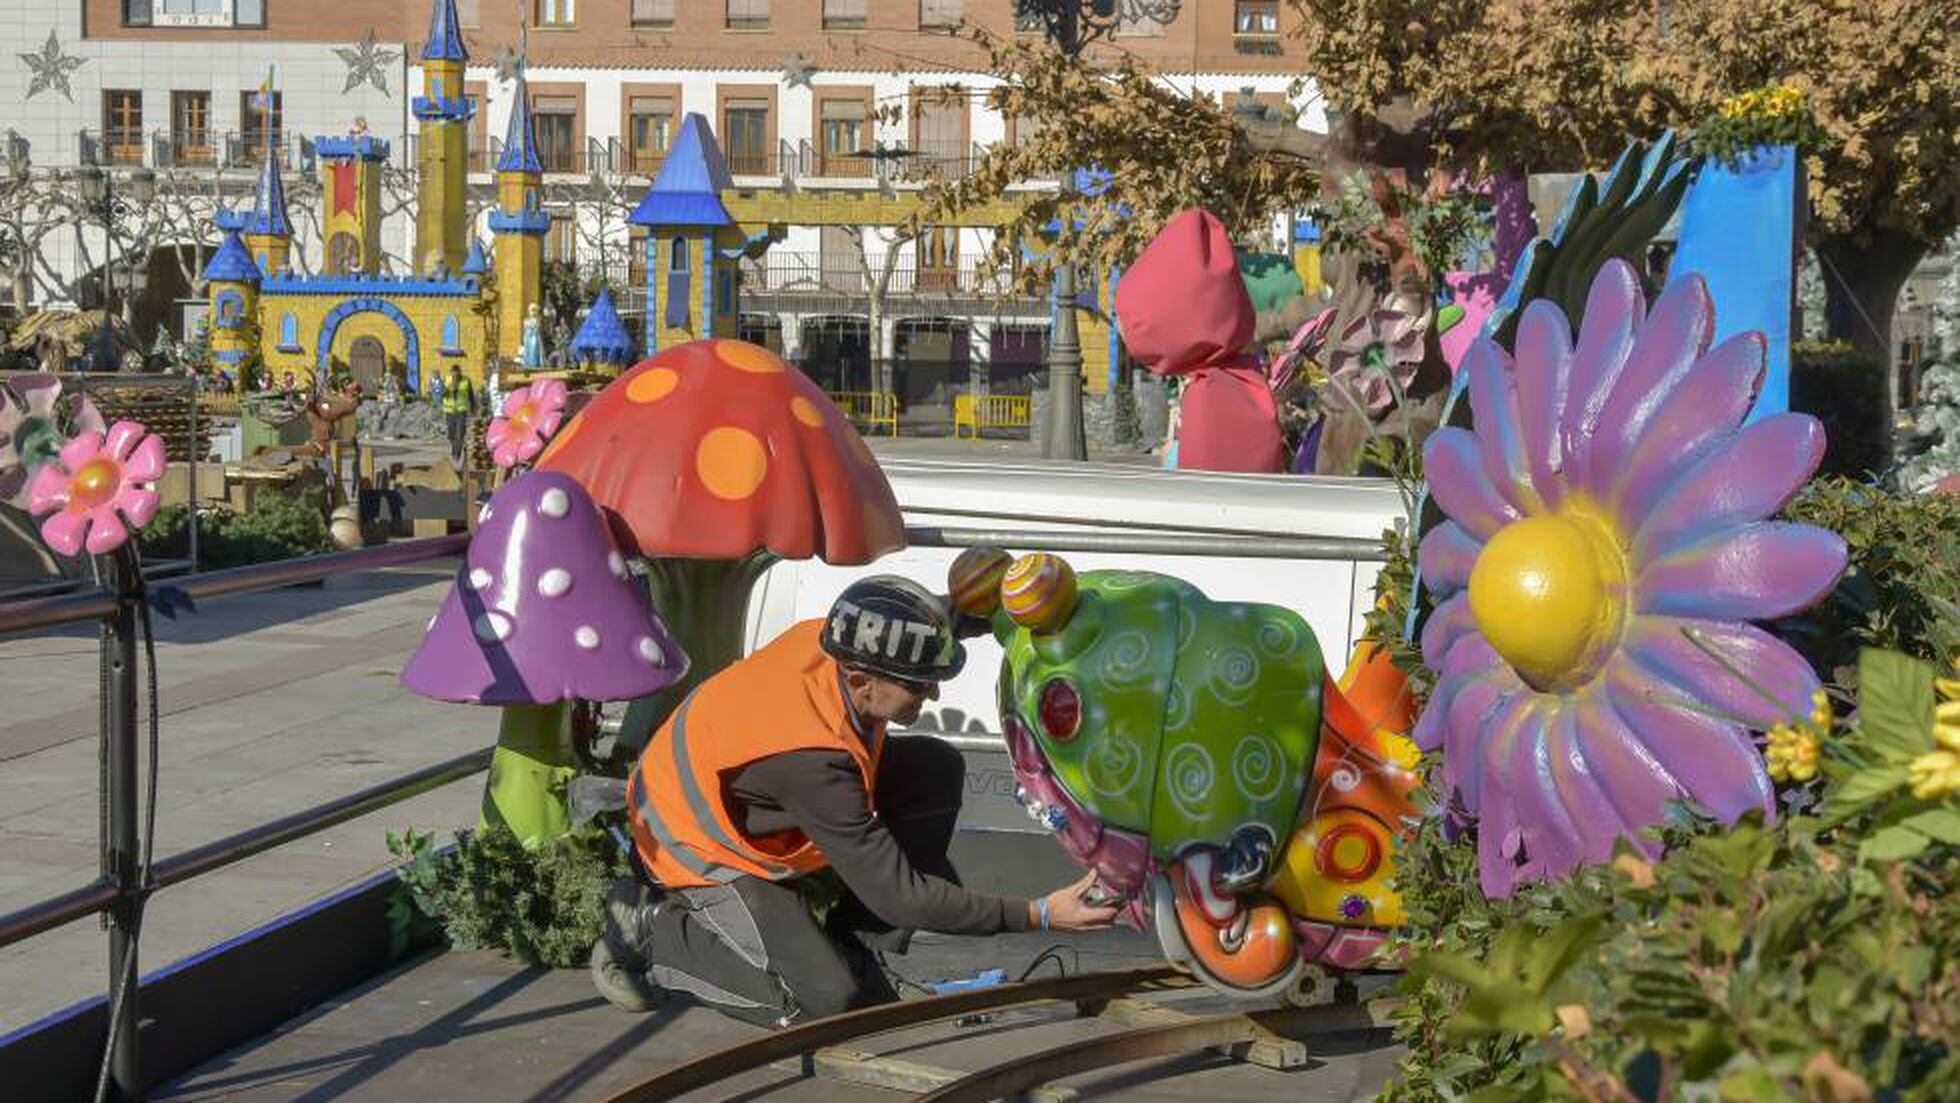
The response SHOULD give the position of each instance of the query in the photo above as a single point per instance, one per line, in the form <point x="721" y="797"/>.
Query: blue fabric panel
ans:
<point x="1739" y="230"/>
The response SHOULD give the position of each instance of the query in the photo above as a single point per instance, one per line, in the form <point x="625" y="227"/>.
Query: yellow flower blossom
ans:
<point x="1791" y="753"/>
<point x="1946" y="715"/>
<point x="1934" y="775"/>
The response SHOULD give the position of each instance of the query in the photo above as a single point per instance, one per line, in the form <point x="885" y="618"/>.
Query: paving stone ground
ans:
<point x="270" y="703"/>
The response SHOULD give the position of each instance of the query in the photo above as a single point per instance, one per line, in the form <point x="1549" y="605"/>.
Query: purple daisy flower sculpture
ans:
<point x="1606" y="548"/>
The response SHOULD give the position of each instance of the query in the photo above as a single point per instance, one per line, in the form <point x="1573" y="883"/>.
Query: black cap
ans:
<point x="893" y="626"/>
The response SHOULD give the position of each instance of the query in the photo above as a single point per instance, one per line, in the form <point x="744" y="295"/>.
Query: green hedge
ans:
<point x="281" y="525"/>
<point x="1844" y="387"/>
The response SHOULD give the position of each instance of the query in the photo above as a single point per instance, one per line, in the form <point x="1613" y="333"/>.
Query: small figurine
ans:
<point x="531" y="352"/>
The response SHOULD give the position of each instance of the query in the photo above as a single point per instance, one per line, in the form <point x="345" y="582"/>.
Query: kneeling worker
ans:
<point x="777" y="768"/>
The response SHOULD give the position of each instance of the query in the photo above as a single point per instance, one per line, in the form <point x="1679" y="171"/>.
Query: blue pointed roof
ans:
<point x="232" y="262"/>
<point x="445" y="41"/>
<point x="603" y="336"/>
<point x="688" y="190"/>
<point x="477" y="263"/>
<point x="269" y="209"/>
<point x="520" y="139"/>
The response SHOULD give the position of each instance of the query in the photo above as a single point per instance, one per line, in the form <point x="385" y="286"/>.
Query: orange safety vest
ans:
<point x="785" y="697"/>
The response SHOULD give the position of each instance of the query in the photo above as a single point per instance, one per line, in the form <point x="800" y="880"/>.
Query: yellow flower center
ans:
<point x="95" y="484"/>
<point x="520" y="418"/>
<point x="1550" y="594"/>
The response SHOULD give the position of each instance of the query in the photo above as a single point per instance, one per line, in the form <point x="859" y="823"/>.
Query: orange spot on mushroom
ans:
<point x="731" y="462"/>
<point x="743" y="356"/>
<point x="565" y="433"/>
<point x="806" y="412"/>
<point x="653" y="385"/>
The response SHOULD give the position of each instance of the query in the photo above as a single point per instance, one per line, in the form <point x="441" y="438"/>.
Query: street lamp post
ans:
<point x="1071" y="25"/>
<point x="99" y="199"/>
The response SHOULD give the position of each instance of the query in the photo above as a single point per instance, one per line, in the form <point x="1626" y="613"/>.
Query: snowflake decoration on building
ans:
<point x="366" y="63"/>
<point x="509" y="64"/>
<point x="51" y="68"/>
<point x="798" y="70"/>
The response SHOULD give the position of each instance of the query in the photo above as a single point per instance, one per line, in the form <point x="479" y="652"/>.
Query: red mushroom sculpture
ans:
<point x="719" y="459"/>
<point x="544" y="611"/>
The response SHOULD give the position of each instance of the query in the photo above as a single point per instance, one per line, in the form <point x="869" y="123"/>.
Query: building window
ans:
<point x="193" y="13"/>
<point x="190" y="127"/>
<point x="840" y="257"/>
<point x="260" y="126"/>
<point x="941" y="13"/>
<point x="289" y="331"/>
<point x="677" y="257"/>
<point x="452" y="336"/>
<point x="843" y="15"/>
<point x="745" y="136"/>
<point x="122" y="126"/>
<point x="556" y="13"/>
<point x="475" y="159"/>
<point x="649" y="127"/>
<point x="748" y="15"/>
<point x="1256" y="18"/>
<point x="554" y="121"/>
<point x="843" y="135"/>
<point x="653" y="13"/>
<point x="938" y="133"/>
<point x="561" y="240"/>
<point x="937" y="253"/>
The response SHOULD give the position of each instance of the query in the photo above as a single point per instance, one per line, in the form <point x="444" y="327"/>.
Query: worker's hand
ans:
<point x="1067" y="911"/>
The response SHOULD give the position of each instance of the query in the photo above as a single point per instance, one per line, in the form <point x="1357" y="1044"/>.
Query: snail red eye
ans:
<point x="1061" y="709"/>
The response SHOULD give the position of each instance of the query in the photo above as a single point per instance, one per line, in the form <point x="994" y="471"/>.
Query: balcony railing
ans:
<point x="180" y="146"/>
<point x="597" y="156"/>
<point x="115" y="146"/>
<point x="245" y="148"/>
<point x="794" y="273"/>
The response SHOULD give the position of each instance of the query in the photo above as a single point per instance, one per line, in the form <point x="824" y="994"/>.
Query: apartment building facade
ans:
<point x="792" y="90"/>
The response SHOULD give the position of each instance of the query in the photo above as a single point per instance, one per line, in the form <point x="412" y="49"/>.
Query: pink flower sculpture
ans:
<point x="1607" y="544"/>
<point x="531" y="415"/>
<point x="32" y="432"/>
<point x="1380" y="346"/>
<point x="98" y="489"/>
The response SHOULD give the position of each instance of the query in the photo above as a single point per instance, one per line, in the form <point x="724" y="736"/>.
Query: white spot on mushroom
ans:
<point x="491" y="626"/>
<point x="483" y="514"/>
<point x="650" y="651"/>
<point x="586" y="636"/>
<point x="555" y="503"/>
<point x="479" y="578"/>
<point x="554" y="582"/>
<point x="432" y="625"/>
<point x="616" y="563"/>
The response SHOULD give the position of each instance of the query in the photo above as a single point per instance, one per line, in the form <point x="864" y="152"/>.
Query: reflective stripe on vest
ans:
<point x="707" y="871"/>
<point x="704" y="814"/>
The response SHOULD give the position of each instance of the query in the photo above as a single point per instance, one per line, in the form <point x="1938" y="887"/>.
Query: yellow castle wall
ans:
<point x="425" y="313"/>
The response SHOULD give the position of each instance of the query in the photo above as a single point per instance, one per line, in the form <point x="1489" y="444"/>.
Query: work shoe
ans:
<point x="622" y="930"/>
<point x="626" y="989"/>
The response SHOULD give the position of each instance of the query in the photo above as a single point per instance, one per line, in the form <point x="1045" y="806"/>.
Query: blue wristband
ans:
<point x="1041" y="910"/>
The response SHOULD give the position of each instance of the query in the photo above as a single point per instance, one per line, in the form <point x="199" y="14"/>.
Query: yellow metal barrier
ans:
<point x="870" y="409"/>
<point x="991" y="411"/>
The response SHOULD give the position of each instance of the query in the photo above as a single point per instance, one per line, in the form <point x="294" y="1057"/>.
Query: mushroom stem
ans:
<point x="705" y="604"/>
<point x="529" y="771"/>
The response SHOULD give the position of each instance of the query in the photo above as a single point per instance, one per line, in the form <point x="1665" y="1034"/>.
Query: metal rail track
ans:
<point x="1269" y="1038"/>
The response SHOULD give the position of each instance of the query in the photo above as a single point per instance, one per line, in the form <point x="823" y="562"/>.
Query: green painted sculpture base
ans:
<point x="532" y="766"/>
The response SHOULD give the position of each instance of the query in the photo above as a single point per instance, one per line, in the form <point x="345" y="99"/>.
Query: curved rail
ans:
<point x="1010" y="1079"/>
<point x="802" y="1041"/>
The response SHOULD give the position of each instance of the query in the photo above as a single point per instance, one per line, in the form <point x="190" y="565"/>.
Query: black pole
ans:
<point x="120" y="854"/>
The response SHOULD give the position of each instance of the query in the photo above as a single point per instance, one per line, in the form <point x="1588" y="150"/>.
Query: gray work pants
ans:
<point x="753" y="949"/>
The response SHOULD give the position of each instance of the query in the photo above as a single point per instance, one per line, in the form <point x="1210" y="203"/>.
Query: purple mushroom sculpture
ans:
<point x="542" y="612"/>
